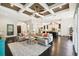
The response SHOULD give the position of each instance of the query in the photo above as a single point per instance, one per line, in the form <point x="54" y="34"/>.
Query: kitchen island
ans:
<point x="24" y="49"/>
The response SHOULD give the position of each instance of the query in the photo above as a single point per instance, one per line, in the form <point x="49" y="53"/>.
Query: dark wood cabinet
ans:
<point x="11" y="39"/>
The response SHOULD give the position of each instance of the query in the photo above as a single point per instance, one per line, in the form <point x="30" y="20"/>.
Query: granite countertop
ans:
<point x="24" y="49"/>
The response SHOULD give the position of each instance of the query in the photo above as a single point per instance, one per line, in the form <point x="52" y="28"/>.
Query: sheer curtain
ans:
<point x="76" y="30"/>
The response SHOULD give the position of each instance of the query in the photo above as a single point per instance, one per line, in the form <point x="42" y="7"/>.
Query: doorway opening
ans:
<point x="18" y="29"/>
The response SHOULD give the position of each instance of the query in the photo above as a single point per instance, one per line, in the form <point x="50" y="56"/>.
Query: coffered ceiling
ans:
<point x="63" y="7"/>
<point x="8" y="5"/>
<point x="49" y="4"/>
<point x="45" y="13"/>
<point x="36" y="9"/>
<point x="23" y="3"/>
<point x="27" y="12"/>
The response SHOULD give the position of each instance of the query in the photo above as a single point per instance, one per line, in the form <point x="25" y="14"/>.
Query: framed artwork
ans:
<point x="10" y="29"/>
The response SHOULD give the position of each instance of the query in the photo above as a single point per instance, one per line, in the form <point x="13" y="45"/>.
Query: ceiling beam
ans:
<point x="18" y="5"/>
<point x="46" y="7"/>
<point x="57" y="5"/>
<point x="26" y="7"/>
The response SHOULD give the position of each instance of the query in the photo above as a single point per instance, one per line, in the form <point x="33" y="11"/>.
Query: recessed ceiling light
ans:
<point x="60" y="7"/>
<point x="11" y="5"/>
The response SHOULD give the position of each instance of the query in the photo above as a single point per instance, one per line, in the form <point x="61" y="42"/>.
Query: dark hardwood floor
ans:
<point x="7" y="50"/>
<point x="62" y="46"/>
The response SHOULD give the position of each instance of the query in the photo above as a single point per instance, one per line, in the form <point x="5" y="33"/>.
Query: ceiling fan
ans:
<point x="37" y="11"/>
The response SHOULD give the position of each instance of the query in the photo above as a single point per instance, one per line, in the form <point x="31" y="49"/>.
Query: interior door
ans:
<point x="18" y="29"/>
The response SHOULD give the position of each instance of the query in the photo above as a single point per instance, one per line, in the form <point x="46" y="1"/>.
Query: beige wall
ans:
<point x="66" y="23"/>
<point x="3" y="25"/>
